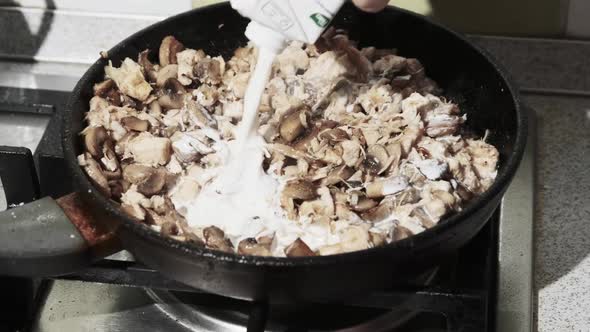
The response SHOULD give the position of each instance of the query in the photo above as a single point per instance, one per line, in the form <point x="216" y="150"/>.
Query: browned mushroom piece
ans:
<point x="173" y="98"/>
<point x="116" y="188"/>
<point x="379" y="159"/>
<point x="401" y="232"/>
<point x="136" y="173"/>
<point x="154" y="109"/>
<point x="168" y="49"/>
<point x="414" y="68"/>
<point x="300" y="189"/>
<point x="377" y="239"/>
<point x="114" y="175"/>
<point x="335" y="135"/>
<point x="144" y="61"/>
<point x="291" y="126"/>
<point x="208" y="70"/>
<point x="215" y="239"/>
<point x="303" y="141"/>
<point x="153" y="218"/>
<point x="94" y="138"/>
<point x="96" y="175"/>
<point x="154" y="183"/>
<point x="379" y="212"/>
<point x="401" y="82"/>
<point x="338" y="174"/>
<point x="250" y="246"/>
<point x="192" y="238"/>
<point x="364" y="204"/>
<point x="101" y="89"/>
<point x="266" y="240"/>
<point x="169" y="71"/>
<point x="169" y="228"/>
<point x="388" y="186"/>
<point x="174" y="86"/>
<point x="149" y="180"/>
<point x="135" y="124"/>
<point x="298" y="249"/>
<point x="424" y="218"/>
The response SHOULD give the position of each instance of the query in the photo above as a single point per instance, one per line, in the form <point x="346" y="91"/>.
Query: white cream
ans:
<point x="243" y="200"/>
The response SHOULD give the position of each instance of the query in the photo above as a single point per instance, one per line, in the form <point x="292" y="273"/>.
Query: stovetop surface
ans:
<point x="73" y="303"/>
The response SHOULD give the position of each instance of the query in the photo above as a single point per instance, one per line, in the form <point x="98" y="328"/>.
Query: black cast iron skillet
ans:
<point x="50" y="237"/>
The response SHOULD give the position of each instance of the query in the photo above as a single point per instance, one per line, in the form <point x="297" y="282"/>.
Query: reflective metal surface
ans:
<point x="23" y="130"/>
<point x="515" y="267"/>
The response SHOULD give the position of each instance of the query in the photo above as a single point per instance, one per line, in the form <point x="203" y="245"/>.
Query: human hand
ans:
<point x="371" y="6"/>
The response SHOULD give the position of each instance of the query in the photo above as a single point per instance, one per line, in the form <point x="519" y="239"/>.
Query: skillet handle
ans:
<point x="51" y="237"/>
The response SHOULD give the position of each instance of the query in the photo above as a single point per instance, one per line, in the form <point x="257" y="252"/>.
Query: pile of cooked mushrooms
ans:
<point x="365" y="145"/>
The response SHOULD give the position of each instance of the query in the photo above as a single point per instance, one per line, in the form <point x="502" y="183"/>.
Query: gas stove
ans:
<point x="485" y="286"/>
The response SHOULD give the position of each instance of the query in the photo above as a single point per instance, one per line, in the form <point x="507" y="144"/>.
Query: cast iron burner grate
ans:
<point x="463" y="291"/>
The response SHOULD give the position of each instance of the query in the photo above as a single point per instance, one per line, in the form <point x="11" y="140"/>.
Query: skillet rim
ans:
<point x="146" y="233"/>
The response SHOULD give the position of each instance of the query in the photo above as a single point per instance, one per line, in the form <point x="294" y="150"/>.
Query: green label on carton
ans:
<point x="320" y="20"/>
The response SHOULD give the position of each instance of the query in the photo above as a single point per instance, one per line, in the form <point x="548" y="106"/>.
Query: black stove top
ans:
<point x="458" y="295"/>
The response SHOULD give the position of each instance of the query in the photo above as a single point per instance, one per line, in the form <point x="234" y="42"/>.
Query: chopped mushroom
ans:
<point x="95" y="173"/>
<point x="298" y="249"/>
<point x="133" y="123"/>
<point x="250" y="246"/>
<point x="215" y="239"/>
<point x="363" y="149"/>
<point x="168" y="50"/>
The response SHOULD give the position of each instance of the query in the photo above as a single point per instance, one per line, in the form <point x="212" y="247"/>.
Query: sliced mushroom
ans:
<point x="386" y="187"/>
<point x="424" y="218"/>
<point x="338" y="174"/>
<point x="364" y="204"/>
<point x="265" y="240"/>
<point x="169" y="228"/>
<point x="208" y="70"/>
<point x="335" y="135"/>
<point x="380" y="212"/>
<point x="298" y="249"/>
<point x="136" y="173"/>
<point x="154" y="183"/>
<point x="101" y="89"/>
<point x="379" y="154"/>
<point x="400" y="233"/>
<point x="215" y="239"/>
<point x="300" y="189"/>
<point x="168" y="49"/>
<point x="291" y="126"/>
<point x="95" y="173"/>
<point x="109" y="160"/>
<point x="169" y="71"/>
<point x="377" y="239"/>
<point x="149" y="180"/>
<point x="144" y="61"/>
<point x="133" y="123"/>
<point x="250" y="246"/>
<point x="94" y="138"/>
<point x="153" y="218"/>
<point x="116" y="188"/>
<point x="174" y="95"/>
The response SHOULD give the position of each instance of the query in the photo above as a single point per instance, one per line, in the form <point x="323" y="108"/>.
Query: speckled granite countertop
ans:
<point x="560" y="68"/>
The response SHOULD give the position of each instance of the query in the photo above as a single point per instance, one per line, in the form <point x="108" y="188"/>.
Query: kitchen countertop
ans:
<point x="549" y="73"/>
<point x="562" y="234"/>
